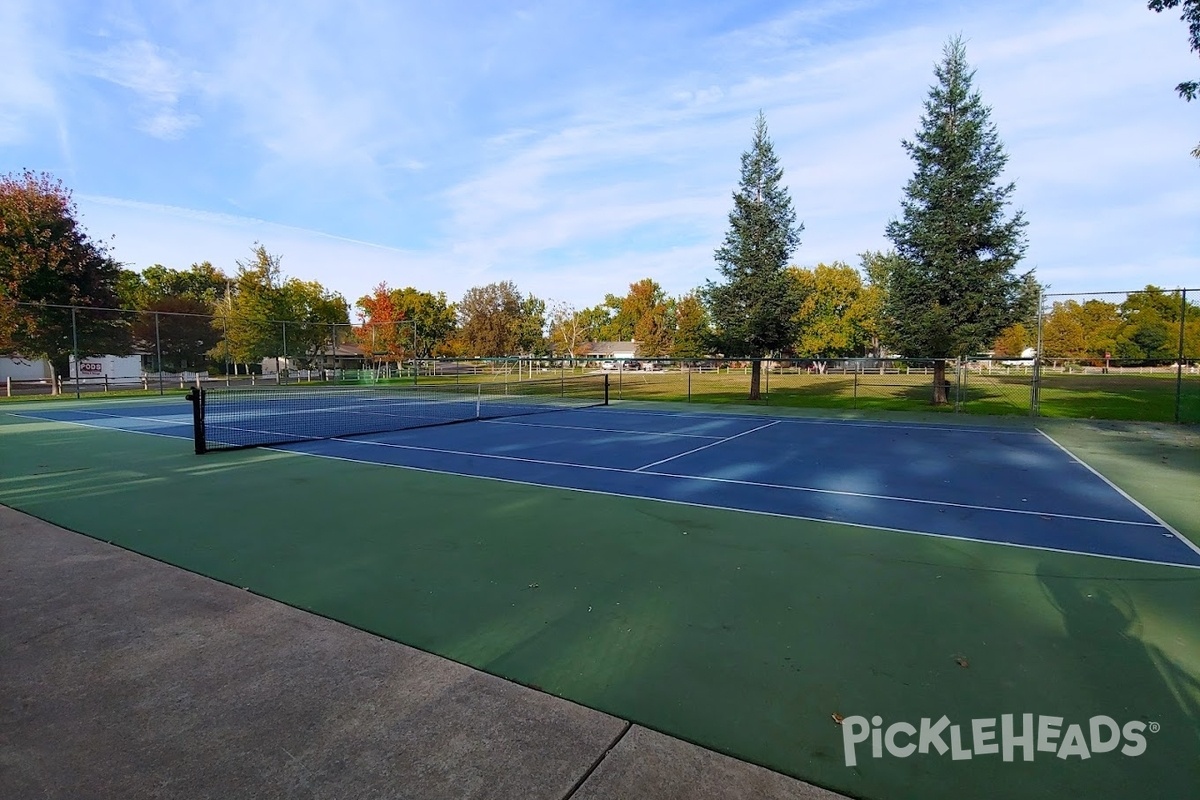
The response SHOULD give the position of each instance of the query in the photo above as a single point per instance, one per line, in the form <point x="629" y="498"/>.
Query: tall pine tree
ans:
<point x="952" y="288"/>
<point x="752" y="311"/>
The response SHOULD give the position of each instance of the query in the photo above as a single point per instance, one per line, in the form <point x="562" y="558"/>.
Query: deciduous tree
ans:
<point x="1190" y="14"/>
<point x="497" y="320"/>
<point x="837" y="315"/>
<point x="46" y="259"/>
<point x="570" y="330"/>
<point x="692" y="331"/>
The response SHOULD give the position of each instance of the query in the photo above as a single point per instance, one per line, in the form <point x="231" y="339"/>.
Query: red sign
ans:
<point x="1108" y="355"/>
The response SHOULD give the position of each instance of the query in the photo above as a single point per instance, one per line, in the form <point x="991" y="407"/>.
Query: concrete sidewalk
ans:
<point x="124" y="677"/>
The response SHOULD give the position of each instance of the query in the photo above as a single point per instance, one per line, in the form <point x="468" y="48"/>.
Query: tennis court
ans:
<point x="739" y="579"/>
<point x="1007" y="487"/>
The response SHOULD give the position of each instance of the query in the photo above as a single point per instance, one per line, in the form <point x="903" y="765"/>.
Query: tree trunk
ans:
<point x="755" y="377"/>
<point x="941" y="387"/>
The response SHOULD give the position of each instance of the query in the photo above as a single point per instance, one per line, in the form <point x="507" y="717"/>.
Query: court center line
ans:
<point x="1190" y="544"/>
<point x="693" y="504"/>
<point x="705" y="446"/>
<point x="738" y="482"/>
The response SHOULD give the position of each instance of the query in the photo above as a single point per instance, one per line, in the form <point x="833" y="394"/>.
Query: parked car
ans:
<point x="608" y="365"/>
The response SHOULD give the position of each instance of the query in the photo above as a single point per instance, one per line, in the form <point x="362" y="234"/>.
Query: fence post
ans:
<point x="689" y="376"/>
<point x="224" y="347"/>
<point x="767" y="384"/>
<point x="75" y="349"/>
<point x="8" y="386"/>
<point x="158" y="352"/>
<point x="1035" y="387"/>
<point x="1179" y="358"/>
<point x="620" y="378"/>
<point x="281" y="372"/>
<point x="855" y="391"/>
<point x="959" y="377"/>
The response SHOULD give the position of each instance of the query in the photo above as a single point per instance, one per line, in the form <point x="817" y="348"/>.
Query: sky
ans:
<point x="577" y="147"/>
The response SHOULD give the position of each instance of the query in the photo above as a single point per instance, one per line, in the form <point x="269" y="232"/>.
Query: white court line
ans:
<point x="738" y="482"/>
<point x="816" y="421"/>
<point x="775" y="514"/>
<point x="674" y="502"/>
<point x="493" y="456"/>
<point x="603" y="430"/>
<point x="187" y="423"/>
<point x="900" y="499"/>
<point x="102" y="427"/>
<point x="1192" y="545"/>
<point x="704" y="446"/>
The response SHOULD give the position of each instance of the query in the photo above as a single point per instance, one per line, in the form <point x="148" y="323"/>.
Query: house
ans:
<point x="346" y="356"/>
<point x="609" y="350"/>
<point x="25" y="369"/>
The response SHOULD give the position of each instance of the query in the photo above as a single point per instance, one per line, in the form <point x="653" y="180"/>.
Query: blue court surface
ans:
<point x="1014" y="487"/>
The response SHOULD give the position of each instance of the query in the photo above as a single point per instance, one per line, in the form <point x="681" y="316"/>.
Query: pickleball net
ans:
<point x="230" y="419"/>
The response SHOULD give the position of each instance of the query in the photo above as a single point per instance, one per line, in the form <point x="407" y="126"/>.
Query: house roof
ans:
<point x="608" y="348"/>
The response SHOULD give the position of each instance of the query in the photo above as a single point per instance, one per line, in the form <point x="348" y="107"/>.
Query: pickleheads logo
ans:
<point x="1100" y="734"/>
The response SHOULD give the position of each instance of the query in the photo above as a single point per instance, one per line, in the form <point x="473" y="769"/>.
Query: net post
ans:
<point x="196" y="398"/>
<point x="606" y="388"/>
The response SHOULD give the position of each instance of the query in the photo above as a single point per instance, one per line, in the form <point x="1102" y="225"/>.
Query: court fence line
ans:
<point x="1142" y="366"/>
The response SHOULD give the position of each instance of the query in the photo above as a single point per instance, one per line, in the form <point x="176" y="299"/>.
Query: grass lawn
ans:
<point x="1149" y="397"/>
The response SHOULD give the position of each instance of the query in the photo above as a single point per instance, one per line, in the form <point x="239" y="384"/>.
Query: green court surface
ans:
<point x="744" y="633"/>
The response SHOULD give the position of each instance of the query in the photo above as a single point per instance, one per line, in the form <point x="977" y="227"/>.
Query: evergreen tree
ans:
<point x="952" y="288"/>
<point x="752" y="311"/>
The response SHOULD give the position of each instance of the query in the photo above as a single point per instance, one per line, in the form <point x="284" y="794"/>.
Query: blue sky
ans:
<point x="576" y="147"/>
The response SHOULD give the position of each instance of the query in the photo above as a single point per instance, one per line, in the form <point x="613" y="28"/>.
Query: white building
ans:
<point x="25" y="369"/>
<point x="117" y="369"/>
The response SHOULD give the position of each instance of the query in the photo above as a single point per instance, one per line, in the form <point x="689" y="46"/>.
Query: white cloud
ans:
<point x="28" y="96"/>
<point x="155" y="76"/>
<point x="577" y="152"/>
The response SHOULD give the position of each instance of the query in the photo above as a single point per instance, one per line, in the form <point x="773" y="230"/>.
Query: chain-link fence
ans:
<point x="1119" y="355"/>
<point x="1128" y="355"/>
<point x="109" y="350"/>
<point x="975" y="385"/>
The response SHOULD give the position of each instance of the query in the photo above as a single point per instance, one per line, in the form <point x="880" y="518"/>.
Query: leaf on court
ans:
<point x="533" y="586"/>
<point x="837" y="717"/>
<point x="962" y="661"/>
